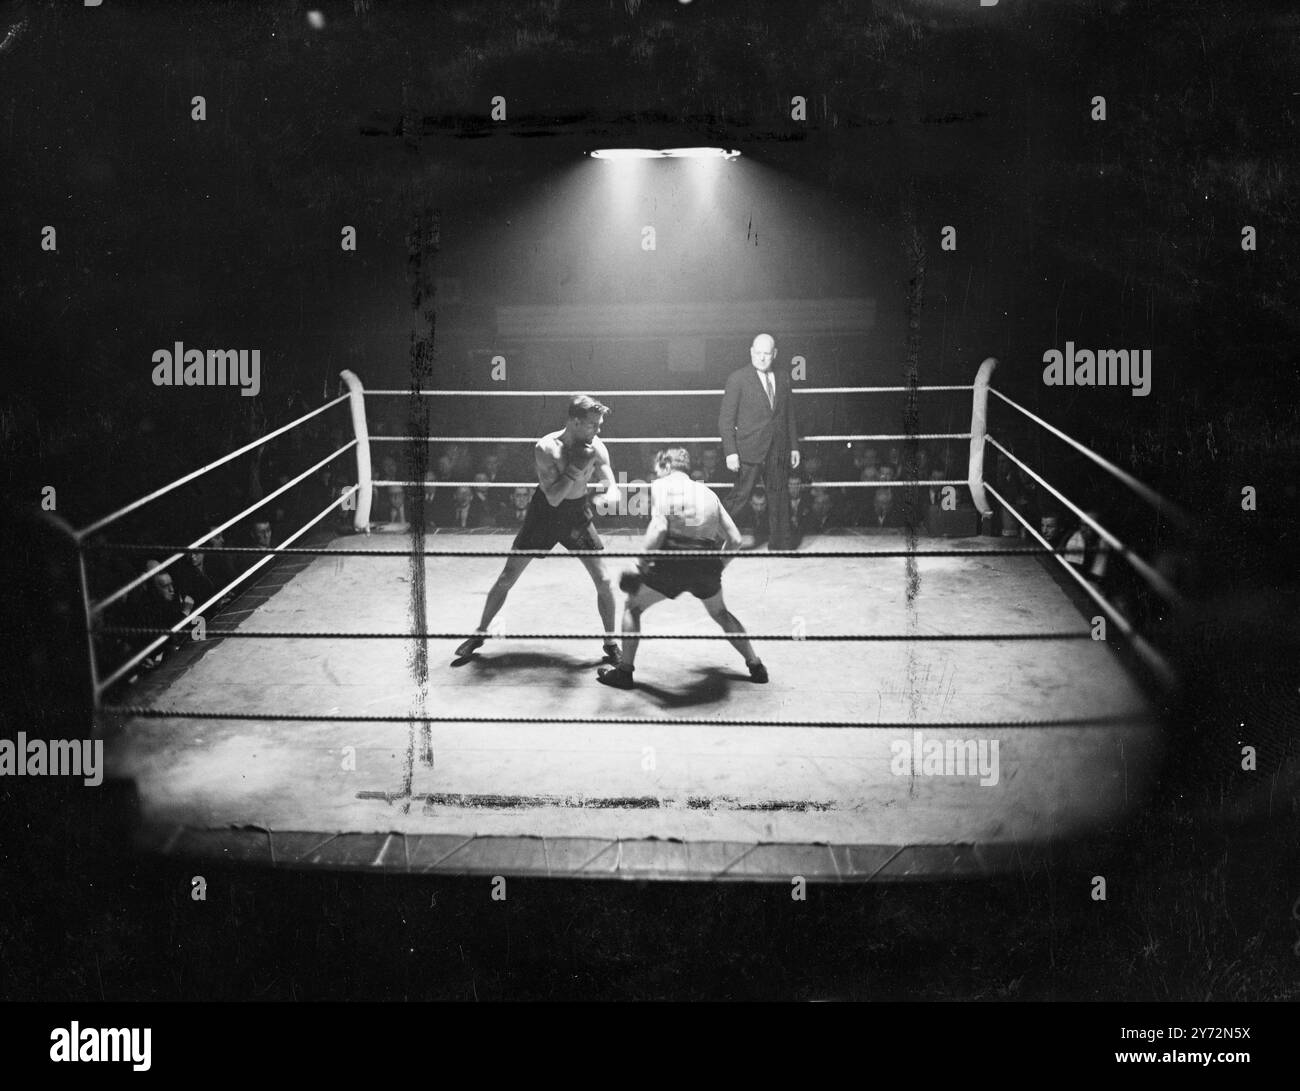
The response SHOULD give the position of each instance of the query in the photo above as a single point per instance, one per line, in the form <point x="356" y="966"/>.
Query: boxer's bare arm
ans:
<point x="548" y="456"/>
<point x="656" y="532"/>
<point x="605" y="469"/>
<point x="731" y="530"/>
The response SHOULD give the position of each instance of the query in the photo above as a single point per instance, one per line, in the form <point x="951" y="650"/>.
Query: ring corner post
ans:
<point x="76" y="542"/>
<point x="365" y="490"/>
<point x="978" y="431"/>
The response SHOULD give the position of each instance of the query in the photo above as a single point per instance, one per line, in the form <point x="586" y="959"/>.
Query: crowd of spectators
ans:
<point x="196" y="585"/>
<point x="816" y="504"/>
<point x="199" y="582"/>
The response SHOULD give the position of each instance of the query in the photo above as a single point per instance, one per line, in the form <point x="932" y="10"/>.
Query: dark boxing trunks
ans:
<point x="701" y="576"/>
<point x="569" y="524"/>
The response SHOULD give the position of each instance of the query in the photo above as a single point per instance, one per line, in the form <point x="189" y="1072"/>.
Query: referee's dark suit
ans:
<point x="762" y="434"/>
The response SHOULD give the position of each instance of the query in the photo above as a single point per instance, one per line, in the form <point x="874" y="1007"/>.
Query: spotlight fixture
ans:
<point x="700" y="153"/>
<point x="663" y="153"/>
<point x="626" y="153"/>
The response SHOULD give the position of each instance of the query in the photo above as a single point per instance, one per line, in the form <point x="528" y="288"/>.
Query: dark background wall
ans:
<point x="225" y="233"/>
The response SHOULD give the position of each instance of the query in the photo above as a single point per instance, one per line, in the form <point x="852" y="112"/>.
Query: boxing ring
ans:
<point x="937" y="707"/>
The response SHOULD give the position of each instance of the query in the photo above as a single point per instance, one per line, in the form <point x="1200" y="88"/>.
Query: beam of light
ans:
<point x="664" y="153"/>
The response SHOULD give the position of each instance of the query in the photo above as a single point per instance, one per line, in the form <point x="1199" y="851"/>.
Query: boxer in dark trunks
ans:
<point x="684" y="514"/>
<point x="561" y="514"/>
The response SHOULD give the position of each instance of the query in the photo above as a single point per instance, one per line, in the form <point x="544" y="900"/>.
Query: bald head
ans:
<point x="763" y="351"/>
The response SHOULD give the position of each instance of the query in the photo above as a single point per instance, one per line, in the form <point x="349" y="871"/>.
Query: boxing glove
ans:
<point x="578" y="457"/>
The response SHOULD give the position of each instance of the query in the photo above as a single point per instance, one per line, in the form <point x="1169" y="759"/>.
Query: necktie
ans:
<point x="767" y="388"/>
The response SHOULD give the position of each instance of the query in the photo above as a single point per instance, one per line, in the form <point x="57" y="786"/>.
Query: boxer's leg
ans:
<point x="620" y="676"/>
<point x="635" y="605"/>
<point x="729" y="623"/>
<point x="595" y="567"/>
<point x="496" y="598"/>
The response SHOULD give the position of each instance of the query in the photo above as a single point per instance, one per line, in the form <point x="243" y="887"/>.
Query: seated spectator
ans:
<point x="520" y="497"/>
<point x="391" y="506"/>
<point x="864" y="458"/>
<point x="318" y="490"/>
<point x="221" y="568"/>
<point x="490" y="509"/>
<point x="894" y="461"/>
<point x="491" y="466"/>
<point x="851" y="505"/>
<point x="812" y="467"/>
<point x="1087" y="552"/>
<point x="753" y="521"/>
<point x="193" y="581"/>
<point x="345" y="512"/>
<point x="934" y="493"/>
<point x="1015" y="489"/>
<point x="467" y="509"/>
<point x="262" y="537"/>
<point x="819" y="513"/>
<point x="887" y="473"/>
<point x="462" y="462"/>
<point x="794" y="486"/>
<point x="157" y="606"/>
<point x="1049" y="526"/>
<point x="884" y="510"/>
<point x="442" y="504"/>
<point x="711" y="465"/>
<point x="857" y="505"/>
<point x="699" y="475"/>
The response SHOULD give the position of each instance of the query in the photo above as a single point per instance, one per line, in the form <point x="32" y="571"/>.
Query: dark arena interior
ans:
<point x="952" y="656"/>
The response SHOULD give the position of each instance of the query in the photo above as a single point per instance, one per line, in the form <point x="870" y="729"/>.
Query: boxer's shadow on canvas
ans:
<point x="707" y="686"/>
<point x="506" y="662"/>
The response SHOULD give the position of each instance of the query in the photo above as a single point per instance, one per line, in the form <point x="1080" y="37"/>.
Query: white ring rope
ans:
<point x="638" y="481"/>
<point x="1145" y="491"/>
<point x="654" y="393"/>
<point x="1157" y="581"/>
<point x="189" y="619"/>
<point x="664" y="439"/>
<point x="108" y="600"/>
<point x="1154" y="659"/>
<point x="99" y="524"/>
